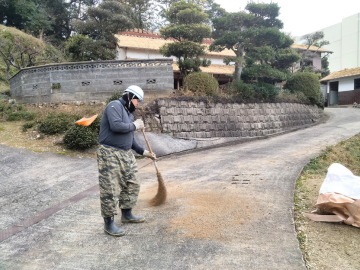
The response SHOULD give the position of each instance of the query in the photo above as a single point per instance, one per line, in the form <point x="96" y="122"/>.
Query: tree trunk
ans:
<point x="239" y="63"/>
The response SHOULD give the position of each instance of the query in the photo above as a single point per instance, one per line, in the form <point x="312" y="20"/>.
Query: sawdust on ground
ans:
<point x="205" y="213"/>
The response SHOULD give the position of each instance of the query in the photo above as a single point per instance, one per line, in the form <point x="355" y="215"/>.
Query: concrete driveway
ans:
<point x="228" y="208"/>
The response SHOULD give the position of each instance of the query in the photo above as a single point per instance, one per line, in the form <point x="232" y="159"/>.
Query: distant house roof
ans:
<point x="312" y="48"/>
<point x="141" y="39"/>
<point x="342" y="74"/>
<point x="154" y="43"/>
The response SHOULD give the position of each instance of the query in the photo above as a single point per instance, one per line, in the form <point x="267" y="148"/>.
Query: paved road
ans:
<point x="228" y="208"/>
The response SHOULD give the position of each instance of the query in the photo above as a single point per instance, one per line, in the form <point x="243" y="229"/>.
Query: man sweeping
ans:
<point x="117" y="164"/>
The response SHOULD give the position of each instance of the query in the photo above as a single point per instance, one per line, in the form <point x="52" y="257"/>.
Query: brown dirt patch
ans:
<point x="204" y="213"/>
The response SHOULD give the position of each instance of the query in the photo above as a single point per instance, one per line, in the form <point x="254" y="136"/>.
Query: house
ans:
<point x="344" y="42"/>
<point x="317" y="52"/>
<point x="141" y="44"/>
<point x="138" y="44"/>
<point x="343" y="87"/>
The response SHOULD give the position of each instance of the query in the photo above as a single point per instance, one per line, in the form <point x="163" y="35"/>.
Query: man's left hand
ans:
<point x="149" y="155"/>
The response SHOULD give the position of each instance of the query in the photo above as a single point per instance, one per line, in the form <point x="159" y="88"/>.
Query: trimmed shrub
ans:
<point x="246" y="91"/>
<point x="21" y="115"/>
<point x="57" y="123"/>
<point x="265" y="90"/>
<point x="307" y="83"/>
<point x="115" y="96"/>
<point x="95" y="126"/>
<point x="80" y="137"/>
<point x="201" y="84"/>
<point x="28" y="125"/>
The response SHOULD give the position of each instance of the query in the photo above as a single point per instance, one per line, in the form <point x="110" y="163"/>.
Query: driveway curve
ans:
<point x="228" y="207"/>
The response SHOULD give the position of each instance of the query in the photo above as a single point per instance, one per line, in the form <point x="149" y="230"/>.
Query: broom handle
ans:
<point x="147" y="142"/>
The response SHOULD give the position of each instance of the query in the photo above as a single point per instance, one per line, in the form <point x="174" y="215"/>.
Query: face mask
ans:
<point x="127" y="97"/>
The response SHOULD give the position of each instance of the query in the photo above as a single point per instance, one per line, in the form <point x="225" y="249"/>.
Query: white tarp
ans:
<point x="341" y="180"/>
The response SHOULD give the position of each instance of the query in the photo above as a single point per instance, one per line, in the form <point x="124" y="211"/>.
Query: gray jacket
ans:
<point x="117" y="128"/>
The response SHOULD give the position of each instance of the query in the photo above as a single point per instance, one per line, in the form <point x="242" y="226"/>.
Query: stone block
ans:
<point x="177" y="118"/>
<point x="223" y="118"/>
<point x="211" y="127"/>
<point x="232" y="118"/>
<point x="166" y="119"/>
<point x="188" y="119"/>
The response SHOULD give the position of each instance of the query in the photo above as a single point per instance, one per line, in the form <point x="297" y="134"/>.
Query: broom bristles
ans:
<point x="160" y="196"/>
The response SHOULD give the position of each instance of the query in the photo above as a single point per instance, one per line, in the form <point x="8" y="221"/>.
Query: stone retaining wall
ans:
<point x="183" y="119"/>
<point x="91" y="81"/>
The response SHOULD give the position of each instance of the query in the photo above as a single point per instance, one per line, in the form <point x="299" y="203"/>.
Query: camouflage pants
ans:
<point x="117" y="180"/>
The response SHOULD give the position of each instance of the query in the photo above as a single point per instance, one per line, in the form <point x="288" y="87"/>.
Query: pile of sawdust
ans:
<point x="205" y="213"/>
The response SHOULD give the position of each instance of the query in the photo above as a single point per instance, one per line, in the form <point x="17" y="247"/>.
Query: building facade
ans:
<point x="343" y="87"/>
<point x="344" y="38"/>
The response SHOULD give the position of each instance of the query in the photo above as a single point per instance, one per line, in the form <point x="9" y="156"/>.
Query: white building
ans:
<point x="344" y="38"/>
<point x="343" y="87"/>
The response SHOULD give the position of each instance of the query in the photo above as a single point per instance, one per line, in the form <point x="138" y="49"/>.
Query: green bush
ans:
<point x="265" y="90"/>
<point x="201" y="84"/>
<point x="21" y="115"/>
<point x="57" y="123"/>
<point x="28" y="125"/>
<point x="246" y="91"/>
<point x="115" y="96"/>
<point x="95" y="126"/>
<point x="80" y="137"/>
<point x="56" y="86"/>
<point x="307" y="83"/>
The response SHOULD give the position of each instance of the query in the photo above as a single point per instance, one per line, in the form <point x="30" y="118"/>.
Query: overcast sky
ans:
<point x="304" y="16"/>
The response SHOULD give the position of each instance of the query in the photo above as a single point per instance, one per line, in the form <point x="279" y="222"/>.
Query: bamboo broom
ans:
<point x="160" y="196"/>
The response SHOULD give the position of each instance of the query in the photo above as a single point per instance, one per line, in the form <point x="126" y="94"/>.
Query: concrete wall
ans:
<point x="183" y="119"/>
<point x="91" y="81"/>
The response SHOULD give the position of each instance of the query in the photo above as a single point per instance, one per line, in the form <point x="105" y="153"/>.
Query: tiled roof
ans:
<point x="212" y="69"/>
<point x="342" y="73"/>
<point x="155" y="44"/>
<point x="312" y="48"/>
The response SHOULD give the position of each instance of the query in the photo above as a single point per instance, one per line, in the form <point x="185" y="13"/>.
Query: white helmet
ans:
<point x="137" y="91"/>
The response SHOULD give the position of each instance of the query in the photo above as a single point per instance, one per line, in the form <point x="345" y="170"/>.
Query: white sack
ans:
<point x="341" y="180"/>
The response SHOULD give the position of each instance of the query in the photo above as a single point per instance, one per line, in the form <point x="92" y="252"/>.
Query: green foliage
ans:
<point x="21" y="115"/>
<point x="83" y="48"/>
<point x="308" y="84"/>
<point x="56" y="123"/>
<point x="256" y="31"/>
<point x="102" y="22"/>
<point x="27" y="126"/>
<point x="246" y="91"/>
<point x="265" y="90"/>
<point x="325" y="71"/>
<point x="19" y="50"/>
<point x="188" y="27"/>
<point x="201" y="84"/>
<point x="80" y="137"/>
<point x="116" y="95"/>
<point x="56" y="86"/>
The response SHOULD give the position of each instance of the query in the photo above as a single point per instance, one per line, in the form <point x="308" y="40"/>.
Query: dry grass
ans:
<point x="326" y="245"/>
<point x="11" y="133"/>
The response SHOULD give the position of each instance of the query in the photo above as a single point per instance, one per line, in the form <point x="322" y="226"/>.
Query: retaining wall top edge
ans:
<point x="94" y="62"/>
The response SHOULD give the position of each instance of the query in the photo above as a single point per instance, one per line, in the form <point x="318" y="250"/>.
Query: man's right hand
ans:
<point x="139" y="124"/>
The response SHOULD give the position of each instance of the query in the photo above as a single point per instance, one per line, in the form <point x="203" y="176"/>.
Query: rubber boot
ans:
<point x="128" y="217"/>
<point x="111" y="228"/>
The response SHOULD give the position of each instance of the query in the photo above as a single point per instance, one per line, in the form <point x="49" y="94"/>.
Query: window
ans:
<point x="357" y="83"/>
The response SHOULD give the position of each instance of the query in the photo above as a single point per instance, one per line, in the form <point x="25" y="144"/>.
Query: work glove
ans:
<point x="149" y="155"/>
<point x="139" y="124"/>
